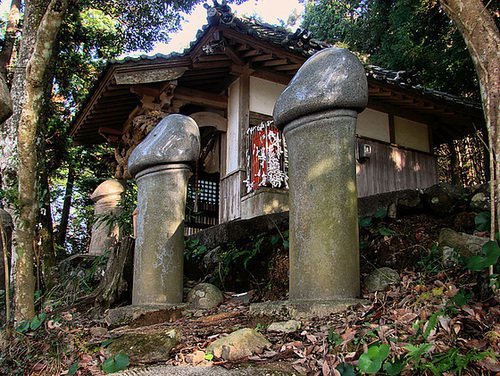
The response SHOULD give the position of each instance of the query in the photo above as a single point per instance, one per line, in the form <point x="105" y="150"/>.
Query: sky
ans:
<point x="271" y="11"/>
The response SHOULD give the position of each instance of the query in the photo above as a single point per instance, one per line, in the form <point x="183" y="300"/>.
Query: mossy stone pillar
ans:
<point x="318" y="112"/>
<point x="106" y="198"/>
<point x="161" y="165"/>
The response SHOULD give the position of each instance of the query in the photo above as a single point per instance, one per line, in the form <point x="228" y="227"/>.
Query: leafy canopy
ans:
<point x="412" y="35"/>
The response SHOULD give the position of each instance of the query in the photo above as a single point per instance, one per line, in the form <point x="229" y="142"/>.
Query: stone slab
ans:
<point x="302" y="309"/>
<point x="264" y="201"/>
<point x="281" y="369"/>
<point x="136" y="316"/>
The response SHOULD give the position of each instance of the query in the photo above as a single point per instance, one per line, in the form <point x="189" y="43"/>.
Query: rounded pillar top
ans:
<point x="330" y="79"/>
<point x="176" y="139"/>
<point x="107" y="188"/>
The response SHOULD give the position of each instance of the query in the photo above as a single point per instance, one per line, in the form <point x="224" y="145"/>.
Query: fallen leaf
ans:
<point x="489" y="364"/>
<point x="325" y="369"/>
<point x="311" y="338"/>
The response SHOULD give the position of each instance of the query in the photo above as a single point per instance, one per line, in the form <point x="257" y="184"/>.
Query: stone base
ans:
<point x="137" y="315"/>
<point x="302" y="309"/>
<point x="264" y="201"/>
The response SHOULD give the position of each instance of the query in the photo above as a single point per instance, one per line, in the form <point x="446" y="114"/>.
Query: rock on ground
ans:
<point x="239" y="344"/>
<point x="453" y="244"/>
<point x="145" y="347"/>
<point x="289" y="326"/>
<point x="381" y="278"/>
<point x="204" y="296"/>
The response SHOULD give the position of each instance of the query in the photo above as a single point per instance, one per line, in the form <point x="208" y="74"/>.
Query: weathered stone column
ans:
<point x="318" y="112"/>
<point x="106" y="198"/>
<point x="161" y="165"/>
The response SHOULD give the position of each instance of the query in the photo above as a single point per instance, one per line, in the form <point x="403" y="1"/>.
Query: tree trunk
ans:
<point x="5" y="57"/>
<point x="118" y="275"/>
<point x="10" y="35"/>
<point x="46" y="235"/>
<point x="33" y="14"/>
<point x="482" y="38"/>
<point x="63" y="225"/>
<point x="36" y="71"/>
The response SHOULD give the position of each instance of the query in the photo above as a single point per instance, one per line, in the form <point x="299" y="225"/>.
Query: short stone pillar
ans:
<point x="8" y="226"/>
<point x="161" y="165"/>
<point x="318" y="112"/>
<point x="106" y="198"/>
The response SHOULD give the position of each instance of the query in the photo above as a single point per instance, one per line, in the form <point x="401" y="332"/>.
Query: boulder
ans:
<point x="239" y="344"/>
<point x="143" y="347"/>
<point x="442" y="199"/>
<point x="204" y="296"/>
<point x="453" y="245"/>
<point x="381" y="278"/>
<point x="480" y="202"/>
<point x="289" y="326"/>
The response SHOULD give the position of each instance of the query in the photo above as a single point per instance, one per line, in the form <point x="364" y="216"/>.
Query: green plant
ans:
<point x="490" y="252"/>
<point x="431" y="261"/>
<point x="260" y="327"/>
<point x="194" y="249"/>
<point x="450" y="361"/>
<point x="73" y="369"/>
<point x="483" y="221"/>
<point x="371" y="361"/>
<point x="346" y="369"/>
<point x="116" y="363"/>
<point x="209" y="357"/>
<point x="334" y="339"/>
<point x="33" y="324"/>
<point x="395" y="366"/>
<point x="417" y="353"/>
<point x="122" y="217"/>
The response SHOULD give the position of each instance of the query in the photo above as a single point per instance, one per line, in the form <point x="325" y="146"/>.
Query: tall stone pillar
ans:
<point x="161" y="165"/>
<point x="106" y="198"/>
<point x="318" y="112"/>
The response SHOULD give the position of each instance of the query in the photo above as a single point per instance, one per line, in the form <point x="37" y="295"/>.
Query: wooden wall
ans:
<point x="392" y="169"/>
<point x="230" y="196"/>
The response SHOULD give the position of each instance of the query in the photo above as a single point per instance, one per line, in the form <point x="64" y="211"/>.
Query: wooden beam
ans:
<point x="272" y="63"/>
<point x="272" y="76"/>
<point x="201" y="97"/>
<point x="213" y="64"/>
<point x="238" y="70"/>
<point x="252" y="53"/>
<point x="261" y="45"/>
<point x="231" y="54"/>
<point x="264" y="57"/>
<point x="150" y="75"/>
<point x="291" y="67"/>
<point x="215" y="57"/>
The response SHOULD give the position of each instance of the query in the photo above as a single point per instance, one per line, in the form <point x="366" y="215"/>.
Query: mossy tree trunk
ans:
<point x="36" y="72"/>
<point x="478" y="28"/>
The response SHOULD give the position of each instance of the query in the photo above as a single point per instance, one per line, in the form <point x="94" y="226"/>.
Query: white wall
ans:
<point x="373" y="124"/>
<point x="233" y="139"/>
<point x="411" y="134"/>
<point x="263" y="95"/>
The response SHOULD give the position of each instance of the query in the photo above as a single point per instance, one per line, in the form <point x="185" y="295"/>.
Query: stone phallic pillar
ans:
<point x="106" y="198"/>
<point x="318" y="112"/>
<point x="161" y="165"/>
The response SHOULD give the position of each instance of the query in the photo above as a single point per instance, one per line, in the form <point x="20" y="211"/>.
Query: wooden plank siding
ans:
<point x="392" y="169"/>
<point x="230" y="196"/>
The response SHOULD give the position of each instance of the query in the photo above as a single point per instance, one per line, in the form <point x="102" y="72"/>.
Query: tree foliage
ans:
<point x="401" y="35"/>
